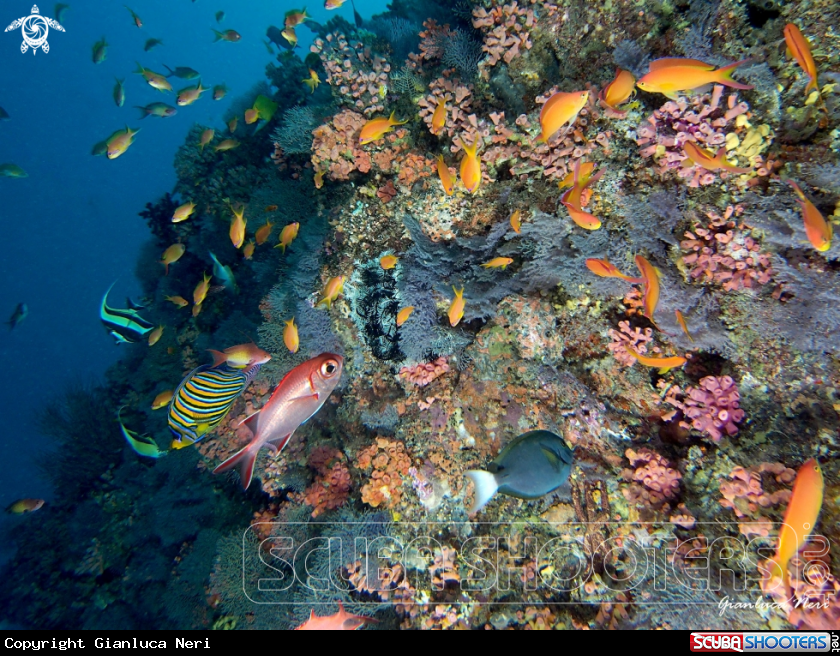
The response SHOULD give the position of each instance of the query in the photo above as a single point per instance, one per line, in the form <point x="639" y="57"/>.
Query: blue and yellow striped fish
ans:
<point x="203" y="399"/>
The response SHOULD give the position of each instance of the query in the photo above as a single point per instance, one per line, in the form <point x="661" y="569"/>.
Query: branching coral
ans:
<point x="295" y="135"/>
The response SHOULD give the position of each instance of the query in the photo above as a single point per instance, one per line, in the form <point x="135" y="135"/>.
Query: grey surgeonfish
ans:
<point x="531" y="466"/>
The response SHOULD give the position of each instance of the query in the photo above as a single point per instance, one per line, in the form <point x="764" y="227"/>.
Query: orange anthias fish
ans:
<point x="232" y="124"/>
<point x="683" y="324"/>
<point x="572" y="199"/>
<point x="800" y="517"/>
<point x="172" y="255"/>
<point x="404" y="314"/>
<point x="155" y="80"/>
<point x="560" y="109"/>
<point x="650" y="279"/>
<point x="664" y="364"/>
<point x="671" y="75"/>
<point x="799" y="47"/>
<point x="119" y="142"/>
<point x="296" y="398"/>
<point x="312" y="81"/>
<point x="342" y="620"/>
<point x="270" y="208"/>
<point x="248" y="250"/>
<point x="237" y="228"/>
<point x="295" y="17"/>
<point x="498" y="263"/>
<point x="231" y="36"/>
<point x="23" y="506"/>
<point x="290" y="336"/>
<point x="251" y="116"/>
<point x="456" y="308"/>
<point x="263" y="233"/>
<point x="445" y="175"/>
<point x="227" y="144"/>
<point x="188" y="95"/>
<point x="586" y="169"/>
<point x="619" y="90"/>
<point x="377" y="128"/>
<point x="288" y="235"/>
<point x="180" y="301"/>
<point x="471" y="167"/>
<point x="155" y="335"/>
<point x="290" y="35"/>
<point x="818" y="230"/>
<point x="135" y="18"/>
<point x="206" y="137"/>
<point x="318" y="178"/>
<point x="162" y="400"/>
<point x="607" y="269"/>
<point x="183" y="212"/>
<point x="439" y="117"/>
<point x="332" y="289"/>
<point x="201" y="289"/>
<point x="333" y="4"/>
<point x="240" y="356"/>
<point x="516" y="221"/>
<point x="388" y="261"/>
<point x="708" y="160"/>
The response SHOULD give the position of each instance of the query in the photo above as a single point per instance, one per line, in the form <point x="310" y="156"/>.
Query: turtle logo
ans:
<point x="35" y="29"/>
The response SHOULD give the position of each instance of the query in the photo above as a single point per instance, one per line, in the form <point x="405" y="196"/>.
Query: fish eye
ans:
<point x="329" y="368"/>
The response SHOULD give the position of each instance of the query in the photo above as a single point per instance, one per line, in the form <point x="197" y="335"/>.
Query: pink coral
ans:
<point x="424" y="373"/>
<point x="636" y="338"/>
<point x="516" y="145"/>
<point x="458" y="99"/>
<point x="725" y="253"/>
<point x="507" y="32"/>
<point x="701" y="119"/>
<point x="745" y="492"/>
<point x="659" y="481"/>
<point x="713" y="408"/>
<point x="354" y="72"/>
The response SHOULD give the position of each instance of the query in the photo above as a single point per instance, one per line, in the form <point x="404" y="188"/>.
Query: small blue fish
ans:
<point x="20" y="313"/>
<point x="125" y="326"/>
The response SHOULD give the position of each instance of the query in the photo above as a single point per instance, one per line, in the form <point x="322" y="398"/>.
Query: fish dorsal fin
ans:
<point x="668" y="62"/>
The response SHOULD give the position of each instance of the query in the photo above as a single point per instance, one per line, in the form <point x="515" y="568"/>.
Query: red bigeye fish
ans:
<point x="296" y="398"/>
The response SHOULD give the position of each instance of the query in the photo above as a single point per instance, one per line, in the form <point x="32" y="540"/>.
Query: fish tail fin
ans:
<point x="812" y="84"/>
<point x="796" y="189"/>
<point x="726" y="75"/>
<point x="142" y="109"/>
<point x="245" y="460"/>
<point x="140" y="70"/>
<point x="485" y="487"/>
<point x="219" y="36"/>
<point x="218" y="357"/>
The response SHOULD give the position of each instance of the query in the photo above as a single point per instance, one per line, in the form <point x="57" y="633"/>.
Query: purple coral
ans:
<point x="713" y="407"/>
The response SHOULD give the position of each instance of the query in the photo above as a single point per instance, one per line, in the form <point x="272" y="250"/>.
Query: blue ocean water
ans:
<point x="71" y="228"/>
